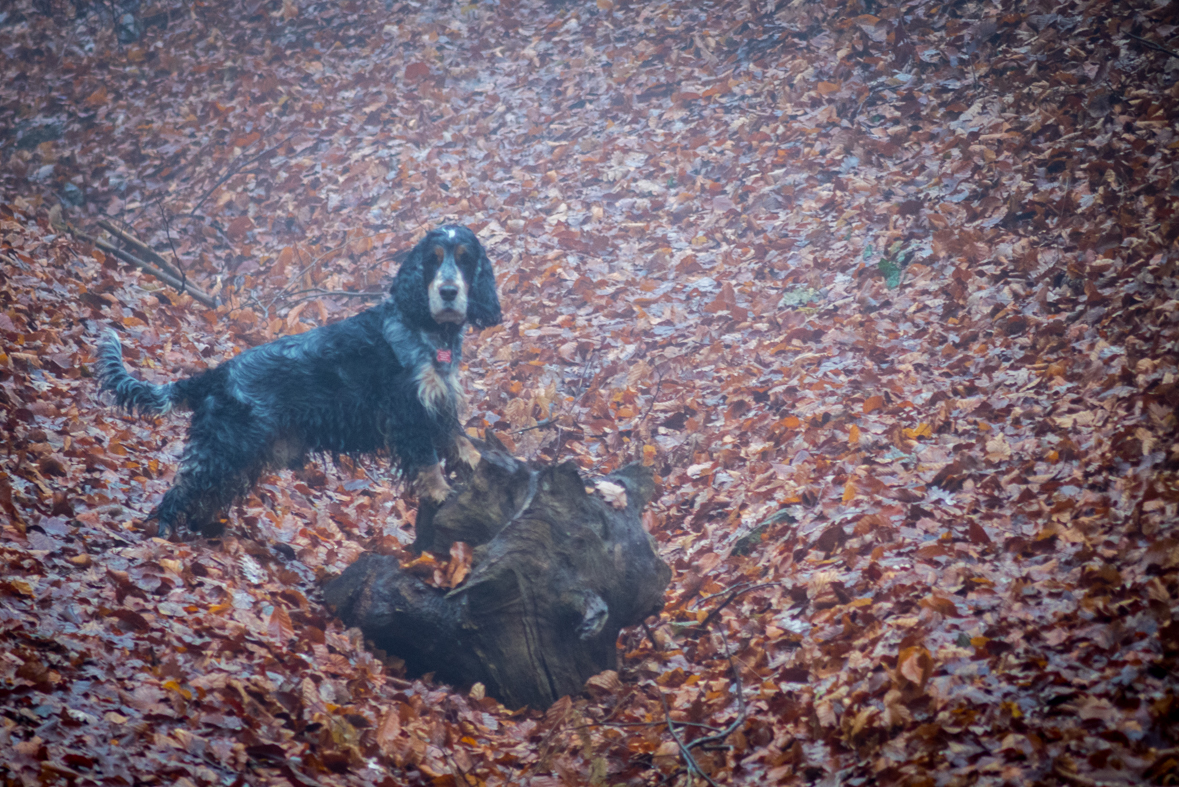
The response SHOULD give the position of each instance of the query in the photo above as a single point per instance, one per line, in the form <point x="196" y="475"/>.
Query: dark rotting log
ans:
<point x="557" y="572"/>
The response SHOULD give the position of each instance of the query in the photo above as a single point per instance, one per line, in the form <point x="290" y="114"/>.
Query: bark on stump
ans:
<point x="557" y="572"/>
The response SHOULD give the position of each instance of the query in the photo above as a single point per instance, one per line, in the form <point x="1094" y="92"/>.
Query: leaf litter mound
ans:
<point x="886" y="295"/>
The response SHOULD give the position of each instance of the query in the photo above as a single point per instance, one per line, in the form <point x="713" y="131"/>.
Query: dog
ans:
<point x="384" y="381"/>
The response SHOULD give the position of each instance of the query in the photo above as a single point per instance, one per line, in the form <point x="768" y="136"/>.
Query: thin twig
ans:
<point x="298" y="276"/>
<point x="168" y="235"/>
<point x="547" y="422"/>
<point x="742" y="588"/>
<point x="581" y="387"/>
<point x="127" y="256"/>
<point x="314" y="294"/>
<point x="741" y="711"/>
<point x="576" y="399"/>
<point x="538" y="425"/>
<point x="650" y="404"/>
<point x="698" y="724"/>
<point x="1153" y="45"/>
<point x="685" y="750"/>
<point x="234" y="169"/>
<point x="739" y="592"/>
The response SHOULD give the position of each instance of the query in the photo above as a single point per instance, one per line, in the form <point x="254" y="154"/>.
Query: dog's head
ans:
<point x="447" y="279"/>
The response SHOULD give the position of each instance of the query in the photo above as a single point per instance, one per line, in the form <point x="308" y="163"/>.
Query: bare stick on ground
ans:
<point x="173" y="279"/>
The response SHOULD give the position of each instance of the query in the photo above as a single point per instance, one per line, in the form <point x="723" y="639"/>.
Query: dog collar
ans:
<point x="442" y="355"/>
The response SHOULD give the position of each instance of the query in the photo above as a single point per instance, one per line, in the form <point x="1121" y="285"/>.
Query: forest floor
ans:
<point x="886" y="294"/>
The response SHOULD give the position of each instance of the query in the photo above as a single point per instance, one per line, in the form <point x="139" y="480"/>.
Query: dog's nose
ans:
<point x="448" y="292"/>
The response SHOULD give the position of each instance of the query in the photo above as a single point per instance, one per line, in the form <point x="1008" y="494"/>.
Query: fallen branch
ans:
<point x="146" y="267"/>
<point x="58" y="222"/>
<point x="1153" y="45"/>
<point x="143" y="250"/>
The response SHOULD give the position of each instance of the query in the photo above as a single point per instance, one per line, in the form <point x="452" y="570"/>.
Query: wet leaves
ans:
<point x="887" y="300"/>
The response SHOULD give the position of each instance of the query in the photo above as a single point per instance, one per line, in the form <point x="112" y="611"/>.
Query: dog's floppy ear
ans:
<point x="409" y="288"/>
<point x="482" y="302"/>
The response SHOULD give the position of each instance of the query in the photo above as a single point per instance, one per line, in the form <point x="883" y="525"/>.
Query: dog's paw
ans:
<point x="431" y="484"/>
<point x="165" y="530"/>
<point x="467" y="452"/>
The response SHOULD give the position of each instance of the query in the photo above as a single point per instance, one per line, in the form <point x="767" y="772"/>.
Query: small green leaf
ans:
<point x="800" y="296"/>
<point x="892" y="273"/>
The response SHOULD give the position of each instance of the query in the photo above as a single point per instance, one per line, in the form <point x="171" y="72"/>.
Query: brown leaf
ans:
<point x="278" y="625"/>
<point x="238" y="228"/>
<point x="459" y="566"/>
<point x="915" y="665"/>
<point x="873" y="403"/>
<point x="416" y="71"/>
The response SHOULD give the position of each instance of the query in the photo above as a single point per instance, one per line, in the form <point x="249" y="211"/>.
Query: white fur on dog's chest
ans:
<point x="437" y="391"/>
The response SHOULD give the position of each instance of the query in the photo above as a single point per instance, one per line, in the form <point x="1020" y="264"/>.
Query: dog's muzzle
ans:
<point x="448" y="293"/>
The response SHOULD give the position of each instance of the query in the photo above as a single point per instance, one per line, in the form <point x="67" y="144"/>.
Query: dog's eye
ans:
<point x="440" y="253"/>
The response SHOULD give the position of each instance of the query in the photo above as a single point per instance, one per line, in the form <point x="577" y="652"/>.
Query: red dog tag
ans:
<point x="443" y="356"/>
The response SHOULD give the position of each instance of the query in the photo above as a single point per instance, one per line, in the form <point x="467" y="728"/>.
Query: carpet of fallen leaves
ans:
<point x="885" y="293"/>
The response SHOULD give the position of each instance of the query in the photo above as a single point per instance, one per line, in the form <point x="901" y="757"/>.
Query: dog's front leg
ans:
<point x="468" y="454"/>
<point x="430" y="483"/>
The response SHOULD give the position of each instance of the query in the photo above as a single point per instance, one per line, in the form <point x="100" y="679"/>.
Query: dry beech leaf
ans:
<point x="612" y="493"/>
<point x="968" y="428"/>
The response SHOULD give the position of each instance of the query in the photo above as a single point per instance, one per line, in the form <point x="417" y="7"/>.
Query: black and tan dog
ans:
<point x="384" y="381"/>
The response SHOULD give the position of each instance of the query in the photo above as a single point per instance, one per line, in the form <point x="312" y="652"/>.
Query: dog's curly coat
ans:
<point x="383" y="381"/>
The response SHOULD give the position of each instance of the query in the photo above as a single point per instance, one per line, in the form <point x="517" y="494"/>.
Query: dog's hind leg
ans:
<point x="227" y="451"/>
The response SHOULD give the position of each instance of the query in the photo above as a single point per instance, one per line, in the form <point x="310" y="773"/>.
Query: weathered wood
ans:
<point x="178" y="285"/>
<point x="142" y="250"/>
<point x="557" y="572"/>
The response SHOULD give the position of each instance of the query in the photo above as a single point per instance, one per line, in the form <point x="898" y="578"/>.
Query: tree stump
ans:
<point x="556" y="573"/>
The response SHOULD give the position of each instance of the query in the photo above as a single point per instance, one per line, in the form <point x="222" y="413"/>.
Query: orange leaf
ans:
<point x="922" y="430"/>
<point x="279" y="626"/>
<point x="827" y="88"/>
<point x="915" y="665"/>
<point x="97" y="98"/>
<point x="853" y="435"/>
<point x="172" y="685"/>
<point x="873" y="403"/>
<point x="849" y="491"/>
<point x="460" y="563"/>
<point x="790" y="422"/>
<point x="286" y="256"/>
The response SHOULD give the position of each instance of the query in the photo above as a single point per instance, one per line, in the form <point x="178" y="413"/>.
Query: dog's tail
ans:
<point x="130" y="394"/>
